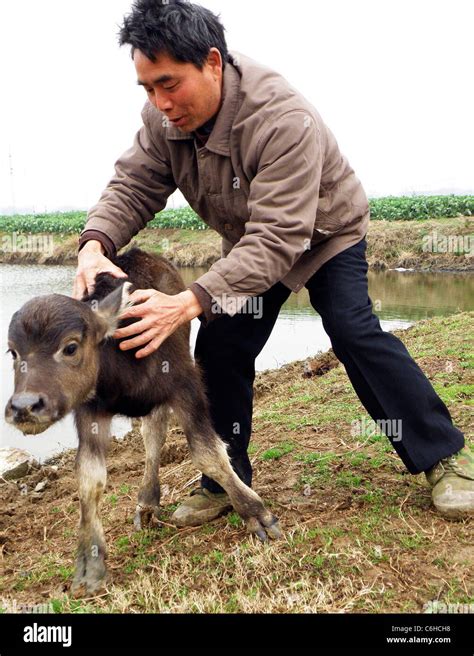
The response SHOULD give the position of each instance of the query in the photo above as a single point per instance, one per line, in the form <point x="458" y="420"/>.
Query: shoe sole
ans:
<point x="189" y="522"/>
<point x="456" y="509"/>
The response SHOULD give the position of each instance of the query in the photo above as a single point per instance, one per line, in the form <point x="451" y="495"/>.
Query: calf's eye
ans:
<point x="70" y="349"/>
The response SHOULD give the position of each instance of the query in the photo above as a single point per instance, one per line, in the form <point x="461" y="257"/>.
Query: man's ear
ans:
<point x="214" y="59"/>
<point x="109" y="310"/>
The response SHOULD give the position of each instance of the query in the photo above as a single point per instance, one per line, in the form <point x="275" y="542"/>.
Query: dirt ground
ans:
<point x="360" y="533"/>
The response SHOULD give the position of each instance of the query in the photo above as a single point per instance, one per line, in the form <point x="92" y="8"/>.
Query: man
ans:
<point x="256" y="162"/>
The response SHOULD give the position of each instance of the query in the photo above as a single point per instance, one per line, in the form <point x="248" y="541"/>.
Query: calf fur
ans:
<point x="65" y="360"/>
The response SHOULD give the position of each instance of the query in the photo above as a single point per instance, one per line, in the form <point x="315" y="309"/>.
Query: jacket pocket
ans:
<point x="335" y="212"/>
<point x="231" y="214"/>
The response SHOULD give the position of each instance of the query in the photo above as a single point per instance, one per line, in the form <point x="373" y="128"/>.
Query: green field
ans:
<point x="409" y="208"/>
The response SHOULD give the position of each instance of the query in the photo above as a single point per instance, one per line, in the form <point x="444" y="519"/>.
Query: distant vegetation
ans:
<point x="407" y="208"/>
<point x="417" y="208"/>
<point x="69" y="223"/>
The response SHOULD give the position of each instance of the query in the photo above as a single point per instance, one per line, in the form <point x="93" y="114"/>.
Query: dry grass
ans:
<point x="360" y="535"/>
<point x="399" y="244"/>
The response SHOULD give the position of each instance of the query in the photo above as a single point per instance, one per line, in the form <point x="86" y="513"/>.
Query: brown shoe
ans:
<point x="201" y="507"/>
<point x="452" y="482"/>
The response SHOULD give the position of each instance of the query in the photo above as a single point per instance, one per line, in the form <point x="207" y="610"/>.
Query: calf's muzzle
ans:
<point x="29" y="412"/>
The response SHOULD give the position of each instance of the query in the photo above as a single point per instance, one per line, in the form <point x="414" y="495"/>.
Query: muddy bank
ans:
<point x="436" y="245"/>
<point x="360" y="534"/>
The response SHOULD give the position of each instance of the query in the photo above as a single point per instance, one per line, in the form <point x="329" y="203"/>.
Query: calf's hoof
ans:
<point x="264" y="526"/>
<point x="144" y="517"/>
<point x="90" y="577"/>
<point x="84" y="589"/>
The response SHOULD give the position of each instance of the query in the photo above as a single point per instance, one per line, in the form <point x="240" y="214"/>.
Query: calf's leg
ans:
<point x="94" y="434"/>
<point x="154" y="430"/>
<point x="209" y="455"/>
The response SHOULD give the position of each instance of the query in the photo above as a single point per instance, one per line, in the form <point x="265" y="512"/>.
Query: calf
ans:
<point x="65" y="360"/>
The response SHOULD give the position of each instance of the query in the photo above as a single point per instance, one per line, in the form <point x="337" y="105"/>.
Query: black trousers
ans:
<point x="388" y="382"/>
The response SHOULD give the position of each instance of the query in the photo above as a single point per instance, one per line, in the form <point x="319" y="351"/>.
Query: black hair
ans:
<point x="183" y="30"/>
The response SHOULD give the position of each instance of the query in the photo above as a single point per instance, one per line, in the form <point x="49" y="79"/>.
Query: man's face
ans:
<point x="187" y="96"/>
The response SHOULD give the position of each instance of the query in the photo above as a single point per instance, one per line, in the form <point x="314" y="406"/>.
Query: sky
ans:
<point x="391" y="79"/>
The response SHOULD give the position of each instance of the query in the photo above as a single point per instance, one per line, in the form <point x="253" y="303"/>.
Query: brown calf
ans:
<point x="65" y="361"/>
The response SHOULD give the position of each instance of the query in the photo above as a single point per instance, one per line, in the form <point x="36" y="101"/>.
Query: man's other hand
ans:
<point x="91" y="262"/>
<point x="160" y="316"/>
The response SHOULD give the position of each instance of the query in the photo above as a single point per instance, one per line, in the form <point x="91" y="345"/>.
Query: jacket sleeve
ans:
<point x="283" y="203"/>
<point x="140" y="188"/>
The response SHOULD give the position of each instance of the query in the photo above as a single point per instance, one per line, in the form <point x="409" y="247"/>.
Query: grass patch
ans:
<point x="348" y="479"/>
<point x="283" y="449"/>
<point x="451" y="393"/>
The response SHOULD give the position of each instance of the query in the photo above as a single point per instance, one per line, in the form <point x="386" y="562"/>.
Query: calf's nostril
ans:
<point x="39" y="405"/>
<point x="22" y="403"/>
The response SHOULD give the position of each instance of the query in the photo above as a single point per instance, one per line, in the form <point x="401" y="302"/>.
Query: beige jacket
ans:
<point x="271" y="180"/>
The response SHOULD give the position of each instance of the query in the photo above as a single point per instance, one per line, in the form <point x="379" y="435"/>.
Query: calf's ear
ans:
<point x="109" y="310"/>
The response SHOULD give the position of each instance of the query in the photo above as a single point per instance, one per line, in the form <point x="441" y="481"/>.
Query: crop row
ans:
<point x="407" y="208"/>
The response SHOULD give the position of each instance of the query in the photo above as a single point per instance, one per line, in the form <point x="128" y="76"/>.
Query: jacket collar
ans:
<point x="219" y="140"/>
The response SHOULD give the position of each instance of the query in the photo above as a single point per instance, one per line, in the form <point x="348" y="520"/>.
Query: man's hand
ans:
<point x="160" y="315"/>
<point x="92" y="261"/>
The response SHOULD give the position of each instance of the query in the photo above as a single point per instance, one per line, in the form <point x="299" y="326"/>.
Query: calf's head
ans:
<point x="54" y="341"/>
